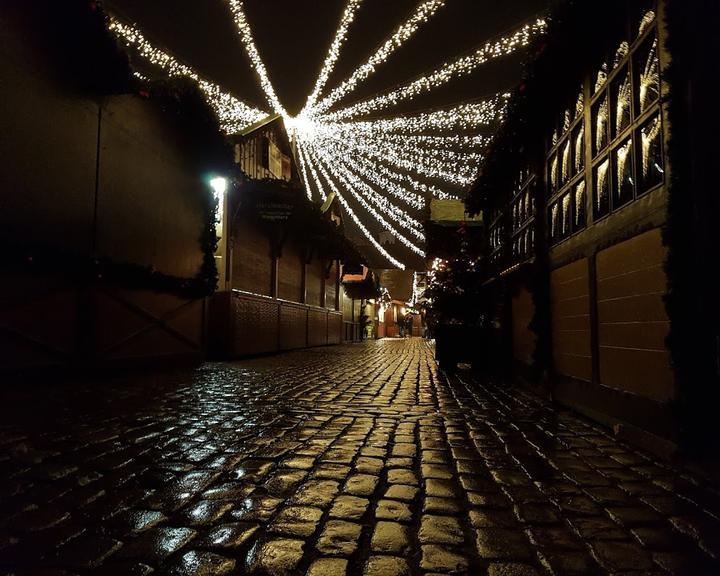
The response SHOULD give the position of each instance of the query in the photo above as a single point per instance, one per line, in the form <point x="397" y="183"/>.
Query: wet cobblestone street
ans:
<point x="357" y="460"/>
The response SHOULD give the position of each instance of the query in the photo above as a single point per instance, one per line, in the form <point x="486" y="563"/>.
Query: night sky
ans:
<point x="293" y="36"/>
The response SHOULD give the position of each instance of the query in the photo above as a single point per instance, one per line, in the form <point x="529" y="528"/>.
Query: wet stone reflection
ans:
<point x="357" y="460"/>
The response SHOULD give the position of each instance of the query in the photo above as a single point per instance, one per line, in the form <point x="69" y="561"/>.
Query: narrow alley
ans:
<point x="352" y="460"/>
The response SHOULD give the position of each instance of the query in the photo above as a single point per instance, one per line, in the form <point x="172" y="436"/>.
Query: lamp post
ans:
<point x="219" y="186"/>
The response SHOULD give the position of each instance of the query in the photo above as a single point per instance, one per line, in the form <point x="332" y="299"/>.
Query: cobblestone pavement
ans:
<point x="349" y="460"/>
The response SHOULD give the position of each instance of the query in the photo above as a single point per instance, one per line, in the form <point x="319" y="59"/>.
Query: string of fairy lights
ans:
<point x="388" y="167"/>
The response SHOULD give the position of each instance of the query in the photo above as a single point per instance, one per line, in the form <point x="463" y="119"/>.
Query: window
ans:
<point x="624" y="135"/>
<point x="601" y="192"/>
<point x="529" y="212"/>
<point x="523" y="212"/>
<point x="647" y="74"/>
<point x="554" y="222"/>
<point x="567" y="120"/>
<point x="566" y="215"/>
<point x="643" y="15"/>
<point x="580" y="103"/>
<point x="623" y="184"/>
<point x="566" y="167"/>
<point x="496" y="238"/>
<point x="578" y="138"/>
<point x="580" y="199"/>
<point x="622" y="51"/>
<point x="601" y="77"/>
<point x="651" y="170"/>
<point x="600" y="123"/>
<point x="554" y="173"/>
<point x="622" y="102"/>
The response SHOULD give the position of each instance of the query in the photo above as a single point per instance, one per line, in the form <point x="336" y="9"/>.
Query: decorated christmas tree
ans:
<point x="454" y="289"/>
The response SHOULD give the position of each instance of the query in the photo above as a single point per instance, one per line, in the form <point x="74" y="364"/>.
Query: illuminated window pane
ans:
<point x="601" y="190"/>
<point x="651" y="170"/>
<point x="622" y="51"/>
<point x="601" y="77"/>
<point x="529" y="204"/>
<point x="579" y="148"/>
<point x="554" y="173"/>
<point x="567" y="120"/>
<point x="601" y="122"/>
<point x="643" y="15"/>
<point x="580" y="199"/>
<point x="529" y="241"/>
<point x="566" y="216"/>
<point x="647" y="74"/>
<point x="622" y="100"/>
<point x="554" y="222"/>
<point x="566" y="161"/>
<point x="580" y="104"/>
<point x="623" y="183"/>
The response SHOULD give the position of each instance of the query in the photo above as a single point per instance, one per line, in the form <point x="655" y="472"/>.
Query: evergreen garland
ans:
<point x="41" y="261"/>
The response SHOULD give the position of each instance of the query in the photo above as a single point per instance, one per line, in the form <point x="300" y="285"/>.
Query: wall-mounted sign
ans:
<point x="272" y="211"/>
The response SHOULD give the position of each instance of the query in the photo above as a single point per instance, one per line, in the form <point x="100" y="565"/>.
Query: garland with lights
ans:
<point x="234" y="115"/>
<point x="334" y="52"/>
<point x="387" y="167"/>
<point x="422" y="13"/>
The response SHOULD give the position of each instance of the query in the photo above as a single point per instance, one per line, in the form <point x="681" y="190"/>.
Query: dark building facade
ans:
<point x="95" y="267"/>
<point x="582" y="206"/>
<point x="283" y="287"/>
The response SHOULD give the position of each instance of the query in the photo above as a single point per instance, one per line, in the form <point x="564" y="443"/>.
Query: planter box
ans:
<point x="244" y="324"/>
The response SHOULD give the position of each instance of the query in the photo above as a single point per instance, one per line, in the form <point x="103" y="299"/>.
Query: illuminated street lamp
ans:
<point x="219" y="187"/>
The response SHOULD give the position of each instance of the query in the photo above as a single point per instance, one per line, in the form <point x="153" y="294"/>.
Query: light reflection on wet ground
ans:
<point x="349" y="460"/>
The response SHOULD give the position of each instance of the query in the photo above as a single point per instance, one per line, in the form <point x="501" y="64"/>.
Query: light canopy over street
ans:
<point x="325" y="136"/>
<point x="359" y="288"/>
